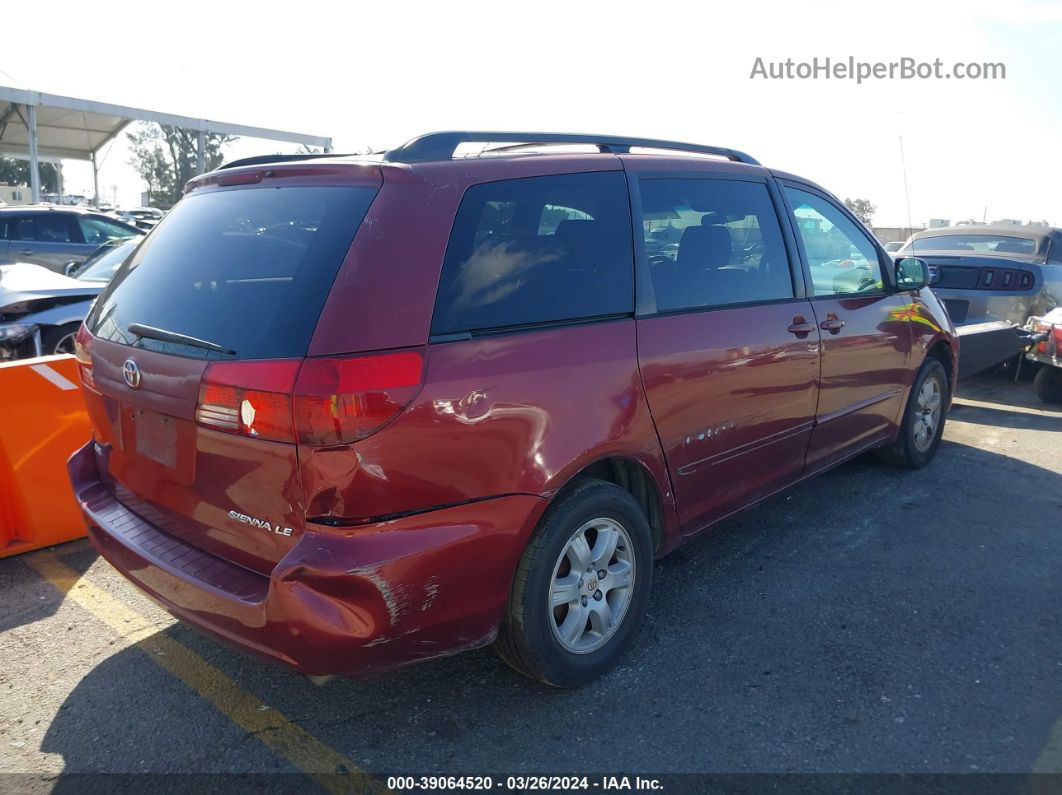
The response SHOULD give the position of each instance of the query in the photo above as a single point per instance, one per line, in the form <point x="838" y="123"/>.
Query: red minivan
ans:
<point x="350" y="413"/>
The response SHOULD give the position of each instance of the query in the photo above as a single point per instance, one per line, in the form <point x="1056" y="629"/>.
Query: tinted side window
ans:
<point x="49" y="228"/>
<point x="537" y="250"/>
<point x="840" y="256"/>
<point x="1054" y="256"/>
<point x="712" y="242"/>
<point x="22" y="228"/>
<point x="98" y="231"/>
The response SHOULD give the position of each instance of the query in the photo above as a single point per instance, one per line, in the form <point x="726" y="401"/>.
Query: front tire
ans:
<point x="923" y="419"/>
<point x="1048" y="384"/>
<point x="59" y="339"/>
<point x="581" y="588"/>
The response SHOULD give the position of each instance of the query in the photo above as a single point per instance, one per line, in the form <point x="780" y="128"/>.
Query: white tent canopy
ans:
<point x="47" y="126"/>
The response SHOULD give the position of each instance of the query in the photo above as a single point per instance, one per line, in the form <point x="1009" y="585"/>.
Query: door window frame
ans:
<point x="885" y="263"/>
<point x="644" y="296"/>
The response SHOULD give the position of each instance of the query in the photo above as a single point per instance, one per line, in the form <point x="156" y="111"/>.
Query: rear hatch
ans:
<point x="190" y="357"/>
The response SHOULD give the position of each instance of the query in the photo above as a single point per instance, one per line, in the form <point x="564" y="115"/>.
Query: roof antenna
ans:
<point x="906" y="191"/>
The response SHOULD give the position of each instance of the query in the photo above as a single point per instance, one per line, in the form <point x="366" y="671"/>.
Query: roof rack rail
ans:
<point x="262" y="160"/>
<point x="441" y="145"/>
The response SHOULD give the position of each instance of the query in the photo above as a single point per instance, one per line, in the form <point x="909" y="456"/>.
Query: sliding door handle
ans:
<point x="801" y="327"/>
<point x="832" y="324"/>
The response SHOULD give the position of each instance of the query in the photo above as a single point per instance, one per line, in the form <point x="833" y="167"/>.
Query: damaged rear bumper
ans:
<point x="345" y="601"/>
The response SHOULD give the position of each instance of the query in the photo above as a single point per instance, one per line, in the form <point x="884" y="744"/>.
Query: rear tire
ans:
<point x="566" y="623"/>
<point x="1048" y="384"/>
<point x="923" y="419"/>
<point x="59" y="339"/>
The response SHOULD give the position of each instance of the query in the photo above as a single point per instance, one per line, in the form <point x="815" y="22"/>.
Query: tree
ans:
<point x="167" y="157"/>
<point x="861" y="209"/>
<point x="15" y="171"/>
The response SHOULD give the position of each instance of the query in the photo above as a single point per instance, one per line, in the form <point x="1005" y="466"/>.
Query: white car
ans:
<point x="40" y="310"/>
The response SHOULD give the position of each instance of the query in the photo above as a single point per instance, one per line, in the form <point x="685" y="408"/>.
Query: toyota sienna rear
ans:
<point x="352" y="413"/>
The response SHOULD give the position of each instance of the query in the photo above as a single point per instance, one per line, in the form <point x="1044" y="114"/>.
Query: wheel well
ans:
<point x="941" y="351"/>
<point x="633" y="477"/>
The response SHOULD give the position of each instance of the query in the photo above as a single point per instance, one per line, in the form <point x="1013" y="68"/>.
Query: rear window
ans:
<point x="976" y="244"/>
<point x="537" y="250"/>
<point x="247" y="269"/>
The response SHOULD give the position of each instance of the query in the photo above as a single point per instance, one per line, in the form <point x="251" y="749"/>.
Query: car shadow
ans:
<point x="871" y="619"/>
<point x="1005" y="418"/>
<point x="1002" y="402"/>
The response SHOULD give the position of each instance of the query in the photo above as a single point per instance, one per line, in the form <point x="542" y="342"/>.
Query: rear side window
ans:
<point x="53" y="229"/>
<point x="712" y="242"/>
<point x="537" y="250"/>
<point x="43" y="228"/>
<point x="247" y="269"/>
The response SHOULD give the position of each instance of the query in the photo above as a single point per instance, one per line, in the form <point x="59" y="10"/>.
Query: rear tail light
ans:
<point x="249" y="398"/>
<point x="83" y="354"/>
<point x="338" y="401"/>
<point x="321" y="402"/>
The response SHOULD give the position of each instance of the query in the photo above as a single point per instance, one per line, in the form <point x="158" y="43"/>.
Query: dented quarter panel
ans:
<point x="488" y="422"/>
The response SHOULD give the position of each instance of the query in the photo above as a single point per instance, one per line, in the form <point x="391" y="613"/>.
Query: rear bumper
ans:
<point x="343" y="601"/>
<point x="984" y="345"/>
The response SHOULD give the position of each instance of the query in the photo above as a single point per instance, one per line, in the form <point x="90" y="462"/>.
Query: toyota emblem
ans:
<point x="131" y="373"/>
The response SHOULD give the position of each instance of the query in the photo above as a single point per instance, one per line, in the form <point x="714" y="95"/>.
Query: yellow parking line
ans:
<point x="328" y="767"/>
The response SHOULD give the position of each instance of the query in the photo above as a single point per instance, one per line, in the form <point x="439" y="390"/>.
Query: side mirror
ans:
<point x="912" y="273"/>
<point x="71" y="268"/>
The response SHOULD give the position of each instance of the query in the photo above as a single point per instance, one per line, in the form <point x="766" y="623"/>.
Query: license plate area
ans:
<point x="156" y="437"/>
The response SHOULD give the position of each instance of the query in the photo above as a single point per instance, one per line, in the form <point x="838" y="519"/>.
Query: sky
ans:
<point x="377" y="76"/>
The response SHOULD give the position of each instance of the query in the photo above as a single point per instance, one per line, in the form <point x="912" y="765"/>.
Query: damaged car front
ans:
<point x="40" y="311"/>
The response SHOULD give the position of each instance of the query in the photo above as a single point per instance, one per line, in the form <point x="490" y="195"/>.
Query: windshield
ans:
<point x="100" y="267"/>
<point x="247" y="269"/>
<point x="976" y="243"/>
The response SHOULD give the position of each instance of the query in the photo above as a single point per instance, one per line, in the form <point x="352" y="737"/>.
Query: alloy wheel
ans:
<point x="592" y="585"/>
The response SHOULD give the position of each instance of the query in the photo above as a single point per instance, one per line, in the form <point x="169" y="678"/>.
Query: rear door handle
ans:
<point x="801" y="327"/>
<point x="832" y="324"/>
<point x="28" y="251"/>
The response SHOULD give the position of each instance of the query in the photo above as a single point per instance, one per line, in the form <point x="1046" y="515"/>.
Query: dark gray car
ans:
<point x="54" y="236"/>
<point x="991" y="279"/>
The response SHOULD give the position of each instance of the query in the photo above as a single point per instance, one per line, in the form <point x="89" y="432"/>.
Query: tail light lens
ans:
<point x="83" y="354"/>
<point x="321" y="402"/>
<point x="1056" y="332"/>
<point x="342" y="400"/>
<point x="249" y="398"/>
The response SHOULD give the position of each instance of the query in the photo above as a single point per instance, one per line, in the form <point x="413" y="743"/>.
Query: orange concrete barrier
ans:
<point x="42" y="422"/>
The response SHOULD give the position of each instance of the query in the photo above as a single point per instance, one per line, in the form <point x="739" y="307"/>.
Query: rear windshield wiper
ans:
<point x="181" y="339"/>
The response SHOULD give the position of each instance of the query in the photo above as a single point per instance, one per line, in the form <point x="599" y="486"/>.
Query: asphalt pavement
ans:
<point x="868" y="621"/>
